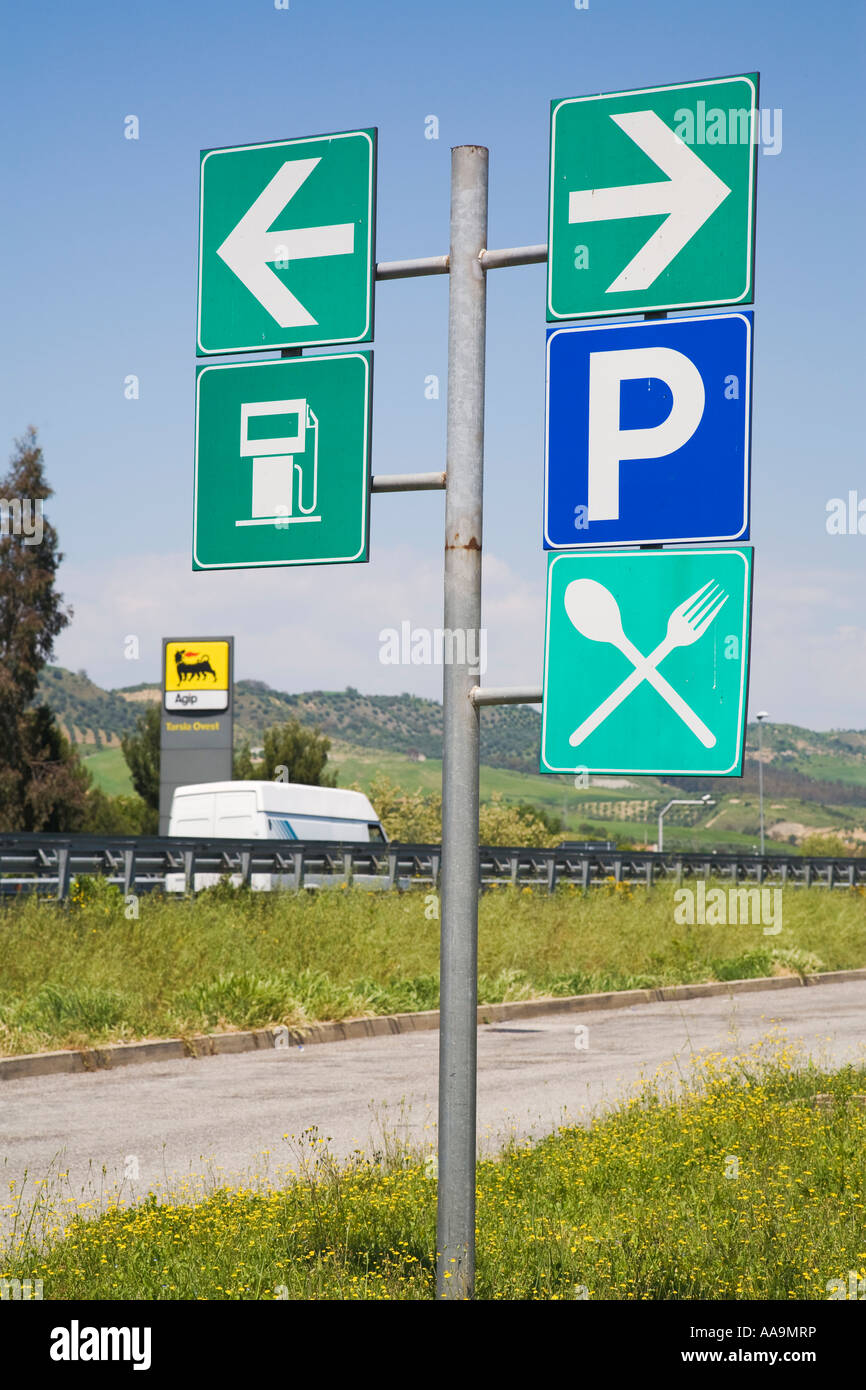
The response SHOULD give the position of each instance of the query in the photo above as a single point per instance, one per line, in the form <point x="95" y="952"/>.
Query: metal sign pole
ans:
<point x="455" y="1235"/>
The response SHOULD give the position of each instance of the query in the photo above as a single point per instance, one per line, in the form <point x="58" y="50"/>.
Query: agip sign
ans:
<point x="196" y="721"/>
<point x="196" y="676"/>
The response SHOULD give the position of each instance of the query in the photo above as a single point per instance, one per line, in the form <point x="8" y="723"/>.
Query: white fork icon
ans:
<point x="594" y="611"/>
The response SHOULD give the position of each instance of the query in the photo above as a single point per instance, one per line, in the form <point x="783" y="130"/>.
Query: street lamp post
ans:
<point x="680" y="801"/>
<point x="760" y="718"/>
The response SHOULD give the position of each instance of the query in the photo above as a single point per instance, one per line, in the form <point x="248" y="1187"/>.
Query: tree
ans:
<point x="292" y="753"/>
<point x="42" y="784"/>
<point x="818" y="846"/>
<point x="416" y="817"/>
<point x="502" y="823"/>
<point x="56" y="781"/>
<point x="243" y="768"/>
<point x="537" y="815"/>
<point x="118" y="815"/>
<point x="141" y="751"/>
<point x="413" y="817"/>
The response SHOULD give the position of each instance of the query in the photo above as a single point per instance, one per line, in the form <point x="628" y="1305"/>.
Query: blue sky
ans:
<point x="99" y="241"/>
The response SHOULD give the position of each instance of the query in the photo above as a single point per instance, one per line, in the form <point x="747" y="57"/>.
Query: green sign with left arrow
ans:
<point x="287" y="243"/>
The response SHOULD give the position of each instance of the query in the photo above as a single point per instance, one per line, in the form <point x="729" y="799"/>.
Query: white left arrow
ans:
<point x="250" y="246"/>
<point x="690" y="195"/>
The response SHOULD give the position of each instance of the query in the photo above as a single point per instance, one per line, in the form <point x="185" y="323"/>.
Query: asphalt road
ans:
<point x="225" y="1117"/>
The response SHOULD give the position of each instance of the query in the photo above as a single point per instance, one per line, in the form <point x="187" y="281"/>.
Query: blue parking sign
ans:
<point x="647" y="432"/>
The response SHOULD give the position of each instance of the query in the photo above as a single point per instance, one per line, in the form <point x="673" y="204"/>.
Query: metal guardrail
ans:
<point x="48" y="865"/>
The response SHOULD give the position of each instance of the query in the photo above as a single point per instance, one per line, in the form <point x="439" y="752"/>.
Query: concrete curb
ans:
<point x="222" y="1044"/>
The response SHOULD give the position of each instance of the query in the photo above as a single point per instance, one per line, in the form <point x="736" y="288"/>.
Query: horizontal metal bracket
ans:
<point x="407" y="482"/>
<point x="505" y="695"/>
<point x="404" y="270"/>
<point x="513" y="255"/>
<point x="441" y="265"/>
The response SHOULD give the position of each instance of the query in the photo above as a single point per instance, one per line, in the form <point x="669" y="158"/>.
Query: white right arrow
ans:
<point x="691" y="195"/>
<point x="249" y="245"/>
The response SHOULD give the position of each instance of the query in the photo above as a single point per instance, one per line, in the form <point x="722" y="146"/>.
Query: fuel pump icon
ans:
<point x="285" y="469"/>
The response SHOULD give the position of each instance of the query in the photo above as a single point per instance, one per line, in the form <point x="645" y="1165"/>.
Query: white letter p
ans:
<point x="608" y="444"/>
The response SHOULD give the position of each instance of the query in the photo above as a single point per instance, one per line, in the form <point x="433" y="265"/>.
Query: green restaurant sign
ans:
<point x="646" y="661"/>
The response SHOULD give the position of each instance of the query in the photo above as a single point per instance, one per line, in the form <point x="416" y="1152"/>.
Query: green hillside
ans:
<point x="826" y="766"/>
<point x="393" y="723"/>
<point x="812" y="780"/>
<point x="89" y="715"/>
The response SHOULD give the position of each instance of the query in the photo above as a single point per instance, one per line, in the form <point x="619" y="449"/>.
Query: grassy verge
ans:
<point x="739" y="1187"/>
<point x="109" y="771"/>
<point x="85" y="975"/>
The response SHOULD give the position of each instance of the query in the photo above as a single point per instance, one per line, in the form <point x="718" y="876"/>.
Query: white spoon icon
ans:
<point x="594" y="612"/>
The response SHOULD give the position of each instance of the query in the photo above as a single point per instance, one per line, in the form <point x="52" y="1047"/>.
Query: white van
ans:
<point x="273" y="811"/>
<point x="268" y="811"/>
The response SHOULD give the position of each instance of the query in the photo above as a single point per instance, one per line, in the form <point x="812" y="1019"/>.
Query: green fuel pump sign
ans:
<point x="282" y="462"/>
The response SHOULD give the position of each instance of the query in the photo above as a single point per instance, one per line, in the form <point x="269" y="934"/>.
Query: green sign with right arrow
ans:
<point x="652" y="199"/>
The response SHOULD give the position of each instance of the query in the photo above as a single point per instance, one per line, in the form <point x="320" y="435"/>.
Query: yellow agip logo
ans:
<point x="196" y="675"/>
